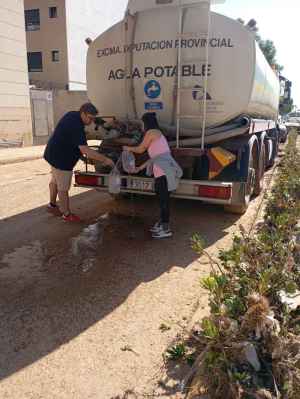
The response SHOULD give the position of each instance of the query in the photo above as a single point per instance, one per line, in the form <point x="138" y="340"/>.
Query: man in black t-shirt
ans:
<point x="64" y="148"/>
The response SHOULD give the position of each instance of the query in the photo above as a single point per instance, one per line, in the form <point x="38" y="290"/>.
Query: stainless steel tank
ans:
<point x="133" y="68"/>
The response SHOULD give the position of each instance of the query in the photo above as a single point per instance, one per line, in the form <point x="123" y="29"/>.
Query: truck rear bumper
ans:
<point x="222" y="193"/>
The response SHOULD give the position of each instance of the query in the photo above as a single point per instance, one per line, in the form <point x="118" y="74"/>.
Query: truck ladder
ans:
<point x="205" y="5"/>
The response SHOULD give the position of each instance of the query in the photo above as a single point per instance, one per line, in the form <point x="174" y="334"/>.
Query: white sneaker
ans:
<point x="162" y="234"/>
<point x="156" y="228"/>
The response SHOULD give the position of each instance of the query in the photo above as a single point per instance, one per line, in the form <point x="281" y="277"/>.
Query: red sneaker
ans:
<point x="54" y="210"/>
<point x="71" y="218"/>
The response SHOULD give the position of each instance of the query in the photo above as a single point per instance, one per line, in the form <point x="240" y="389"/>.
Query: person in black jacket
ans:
<point x="64" y="148"/>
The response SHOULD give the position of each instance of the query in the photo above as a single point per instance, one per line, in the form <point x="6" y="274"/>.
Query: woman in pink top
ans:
<point x="156" y="144"/>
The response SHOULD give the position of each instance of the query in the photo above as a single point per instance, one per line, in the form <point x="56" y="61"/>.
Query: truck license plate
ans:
<point x="142" y="185"/>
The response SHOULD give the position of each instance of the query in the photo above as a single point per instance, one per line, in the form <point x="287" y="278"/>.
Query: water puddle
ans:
<point x="36" y="258"/>
<point x="85" y="246"/>
<point x="24" y="260"/>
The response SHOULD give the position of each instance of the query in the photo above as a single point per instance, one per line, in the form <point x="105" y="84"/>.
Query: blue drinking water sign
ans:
<point x="152" y="89"/>
<point x="154" y="106"/>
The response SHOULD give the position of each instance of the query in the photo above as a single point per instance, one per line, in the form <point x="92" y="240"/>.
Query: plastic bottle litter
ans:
<point x="85" y="246"/>
<point x="114" y="181"/>
<point x="128" y="162"/>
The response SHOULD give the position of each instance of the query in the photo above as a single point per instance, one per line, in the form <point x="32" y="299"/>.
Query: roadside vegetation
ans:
<point x="249" y="347"/>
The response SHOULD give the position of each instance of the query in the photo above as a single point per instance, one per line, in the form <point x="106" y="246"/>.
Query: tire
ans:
<point x="251" y="187"/>
<point x="275" y="152"/>
<point x="268" y="153"/>
<point x="284" y="139"/>
<point x="260" y="171"/>
<point x="275" y="136"/>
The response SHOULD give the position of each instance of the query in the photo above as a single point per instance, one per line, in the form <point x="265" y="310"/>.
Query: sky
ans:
<point x="279" y="21"/>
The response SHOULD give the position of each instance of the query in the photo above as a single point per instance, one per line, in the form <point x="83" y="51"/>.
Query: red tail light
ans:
<point x="84" y="180"/>
<point x="223" y="193"/>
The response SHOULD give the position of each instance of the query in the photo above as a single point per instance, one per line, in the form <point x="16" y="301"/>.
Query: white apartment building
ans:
<point x="56" y="31"/>
<point x="15" y="114"/>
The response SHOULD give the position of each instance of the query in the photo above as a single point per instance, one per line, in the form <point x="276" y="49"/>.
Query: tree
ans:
<point x="269" y="50"/>
<point x="267" y="46"/>
<point x="287" y="107"/>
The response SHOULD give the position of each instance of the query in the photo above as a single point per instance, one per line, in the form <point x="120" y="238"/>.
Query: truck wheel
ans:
<point x="260" y="171"/>
<point x="275" y="148"/>
<point x="250" y="186"/>
<point x="268" y="151"/>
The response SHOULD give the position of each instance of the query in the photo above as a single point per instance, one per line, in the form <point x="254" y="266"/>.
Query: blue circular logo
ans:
<point x="152" y="89"/>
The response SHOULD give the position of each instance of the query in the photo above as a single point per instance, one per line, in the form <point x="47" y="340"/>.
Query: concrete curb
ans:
<point x="20" y="159"/>
<point x="18" y="155"/>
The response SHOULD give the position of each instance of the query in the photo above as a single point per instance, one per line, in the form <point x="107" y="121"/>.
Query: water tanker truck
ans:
<point x="214" y="93"/>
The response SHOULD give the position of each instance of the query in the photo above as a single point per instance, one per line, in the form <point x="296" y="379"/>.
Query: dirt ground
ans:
<point x="81" y="305"/>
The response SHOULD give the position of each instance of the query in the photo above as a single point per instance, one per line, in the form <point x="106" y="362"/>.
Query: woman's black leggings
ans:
<point x="161" y="189"/>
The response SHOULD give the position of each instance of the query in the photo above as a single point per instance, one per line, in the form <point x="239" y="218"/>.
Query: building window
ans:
<point x="32" y="19"/>
<point x="55" y="55"/>
<point x="35" y="62"/>
<point x="52" y="12"/>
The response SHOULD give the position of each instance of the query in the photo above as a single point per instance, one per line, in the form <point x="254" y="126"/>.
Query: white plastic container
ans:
<point x="114" y="182"/>
<point x="131" y="69"/>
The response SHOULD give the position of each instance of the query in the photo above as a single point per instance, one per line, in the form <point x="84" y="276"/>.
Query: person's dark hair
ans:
<point x="89" y="108"/>
<point x="150" y="121"/>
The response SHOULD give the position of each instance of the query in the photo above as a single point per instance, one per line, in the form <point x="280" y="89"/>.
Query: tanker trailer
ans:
<point x="214" y="93"/>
